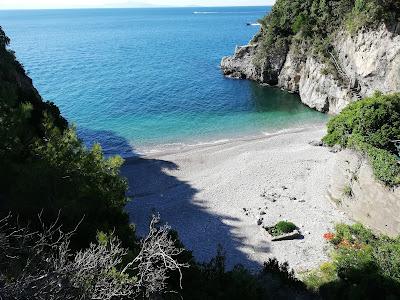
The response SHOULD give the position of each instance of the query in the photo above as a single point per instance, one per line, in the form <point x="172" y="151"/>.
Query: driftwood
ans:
<point x="295" y="234"/>
<point x="287" y="236"/>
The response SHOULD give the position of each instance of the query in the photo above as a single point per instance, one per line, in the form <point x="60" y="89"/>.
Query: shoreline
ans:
<point x="158" y="150"/>
<point x="215" y="194"/>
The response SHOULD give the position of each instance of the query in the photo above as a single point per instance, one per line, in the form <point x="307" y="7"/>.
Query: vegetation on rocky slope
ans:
<point x="363" y="266"/>
<point x="46" y="169"/>
<point x="372" y="126"/>
<point x="314" y="22"/>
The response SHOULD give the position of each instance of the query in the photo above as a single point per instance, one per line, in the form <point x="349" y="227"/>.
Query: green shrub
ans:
<point x="356" y="233"/>
<point x="285" y="227"/>
<point x="364" y="266"/>
<point x="326" y="273"/>
<point x="349" y="262"/>
<point x="282" y="227"/>
<point x="387" y="257"/>
<point x="365" y="13"/>
<point x="385" y="166"/>
<point x="370" y="126"/>
<point x="375" y="121"/>
<point x="213" y="281"/>
<point x="301" y="24"/>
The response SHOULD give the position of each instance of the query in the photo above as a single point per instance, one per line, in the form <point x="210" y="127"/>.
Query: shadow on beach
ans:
<point x="153" y="190"/>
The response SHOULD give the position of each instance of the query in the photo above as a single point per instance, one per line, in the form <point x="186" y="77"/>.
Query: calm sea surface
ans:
<point x="141" y="78"/>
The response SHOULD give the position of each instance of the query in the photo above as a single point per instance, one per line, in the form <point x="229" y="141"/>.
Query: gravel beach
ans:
<point x="219" y="194"/>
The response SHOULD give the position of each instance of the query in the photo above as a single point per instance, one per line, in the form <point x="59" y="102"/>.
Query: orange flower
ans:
<point x="329" y="236"/>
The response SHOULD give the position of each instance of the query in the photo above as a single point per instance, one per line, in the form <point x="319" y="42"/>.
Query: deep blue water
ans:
<point x="145" y="77"/>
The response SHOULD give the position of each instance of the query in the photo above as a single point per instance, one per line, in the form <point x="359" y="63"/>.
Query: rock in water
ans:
<point x="240" y="65"/>
<point x="367" y="61"/>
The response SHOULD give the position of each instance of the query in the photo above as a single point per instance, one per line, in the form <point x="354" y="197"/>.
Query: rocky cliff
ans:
<point x="357" y="65"/>
<point x="354" y="190"/>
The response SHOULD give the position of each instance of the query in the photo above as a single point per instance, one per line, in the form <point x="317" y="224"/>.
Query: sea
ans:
<point x="138" y="81"/>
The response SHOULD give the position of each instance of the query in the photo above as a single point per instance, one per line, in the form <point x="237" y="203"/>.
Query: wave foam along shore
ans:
<point x="179" y="147"/>
<point x="217" y="193"/>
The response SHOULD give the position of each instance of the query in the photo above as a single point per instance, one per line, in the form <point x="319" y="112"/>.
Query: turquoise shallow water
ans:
<point x="144" y="77"/>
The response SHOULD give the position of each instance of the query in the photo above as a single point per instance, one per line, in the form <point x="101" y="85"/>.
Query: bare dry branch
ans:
<point x="48" y="270"/>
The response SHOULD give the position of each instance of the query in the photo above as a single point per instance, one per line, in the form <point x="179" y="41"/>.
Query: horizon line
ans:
<point x="130" y="7"/>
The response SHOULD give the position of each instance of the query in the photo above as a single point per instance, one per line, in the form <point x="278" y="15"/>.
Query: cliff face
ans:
<point x="361" y="64"/>
<point x="372" y="58"/>
<point x="366" y="200"/>
<point x="317" y="89"/>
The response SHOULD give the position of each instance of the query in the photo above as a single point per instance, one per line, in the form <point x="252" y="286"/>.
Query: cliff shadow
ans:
<point x="153" y="190"/>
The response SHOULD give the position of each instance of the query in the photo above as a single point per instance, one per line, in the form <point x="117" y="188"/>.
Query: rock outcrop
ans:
<point x="355" y="190"/>
<point x="241" y="65"/>
<point x="362" y="64"/>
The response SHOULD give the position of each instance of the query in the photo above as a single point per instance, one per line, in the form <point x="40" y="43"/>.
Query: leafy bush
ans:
<point x="282" y="227"/>
<point x="285" y="226"/>
<point x="326" y="273"/>
<point x="370" y="126"/>
<point x="356" y="233"/>
<point x="364" y="266"/>
<point x="213" y="281"/>
<point x="387" y="257"/>
<point x="364" y="13"/>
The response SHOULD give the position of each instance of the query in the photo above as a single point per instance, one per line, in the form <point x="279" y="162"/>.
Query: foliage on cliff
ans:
<point x="371" y="125"/>
<point x="313" y="21"/>
<point x="364" y="266"/>
<point x="213" y="281"/>
<point x="44" y="166"/>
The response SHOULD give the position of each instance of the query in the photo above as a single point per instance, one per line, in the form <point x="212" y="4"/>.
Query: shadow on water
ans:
<point x="110" y="142"/>
<point x="273" y="99"/>
<point x="153" y="190"/>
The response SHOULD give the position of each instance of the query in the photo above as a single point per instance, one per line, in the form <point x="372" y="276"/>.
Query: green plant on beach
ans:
<point x="282" y="227"/>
